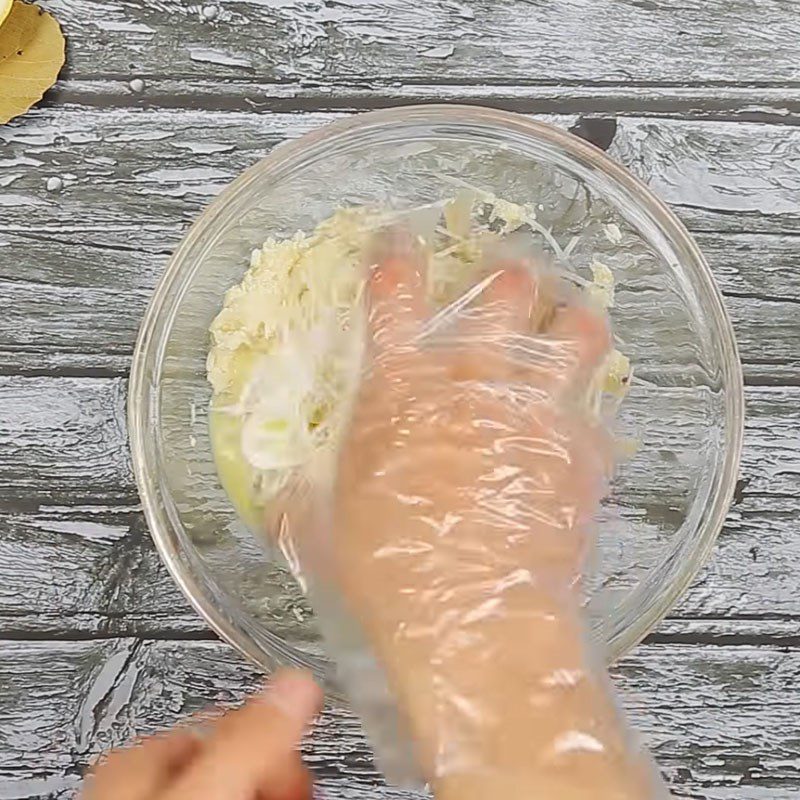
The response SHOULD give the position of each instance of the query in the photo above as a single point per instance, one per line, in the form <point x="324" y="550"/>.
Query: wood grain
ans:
<point x="63" y="441"/>
<point x="722" y="721"/>
<point x="387" y="42"/>
<point x="76" y="555"/>
<point x="129" y="183"/>
<point x="132" y="176"/>
<point x="81" y="311"/>
<point x="87" y="571"/>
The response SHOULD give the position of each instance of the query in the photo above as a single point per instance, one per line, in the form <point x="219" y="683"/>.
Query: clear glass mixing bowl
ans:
<point x="682" y="419"/>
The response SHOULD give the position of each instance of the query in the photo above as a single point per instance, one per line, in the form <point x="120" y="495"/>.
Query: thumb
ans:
<point x="255" y="746"/>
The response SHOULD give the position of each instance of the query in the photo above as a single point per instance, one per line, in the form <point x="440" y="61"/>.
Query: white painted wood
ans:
<point x="385" y="42"/>
<point x="129" y="175"/>
<point x="721" y="720"/>
<point x="76" y="555"/>
<point x="131" y="182"/>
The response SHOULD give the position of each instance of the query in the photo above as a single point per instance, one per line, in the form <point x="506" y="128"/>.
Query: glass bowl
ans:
<point x="681" y="423"/>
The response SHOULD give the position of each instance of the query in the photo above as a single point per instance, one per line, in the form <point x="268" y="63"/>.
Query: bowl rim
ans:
<point x="139" y="391"/>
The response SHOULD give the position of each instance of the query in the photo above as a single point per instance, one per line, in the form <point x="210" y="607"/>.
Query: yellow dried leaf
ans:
<point x="5" y="7"/>
<point x="31" y="69"/>
<point x="18" y="28"/>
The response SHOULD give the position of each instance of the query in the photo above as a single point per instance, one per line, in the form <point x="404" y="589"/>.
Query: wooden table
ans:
<point x="162" y="103"/>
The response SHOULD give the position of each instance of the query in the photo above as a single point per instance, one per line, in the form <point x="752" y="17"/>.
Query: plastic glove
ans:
<point x="456" y="532"/>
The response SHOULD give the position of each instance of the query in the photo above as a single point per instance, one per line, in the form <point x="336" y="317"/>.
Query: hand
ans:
<point x="460" y="521"/>
<point x="247" y="754"/>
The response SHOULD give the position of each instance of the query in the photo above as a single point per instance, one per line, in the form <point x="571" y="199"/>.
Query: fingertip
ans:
<point x="397" y="280"/>
<point x="511" y="296"/>
<point x="587" y="328"/>
<point x="295" y="693"/>
<point x="256" y="745"/>
<point x="294" y="783"/>
<point x="395" y="265"/>
<point x="395" y="297"/>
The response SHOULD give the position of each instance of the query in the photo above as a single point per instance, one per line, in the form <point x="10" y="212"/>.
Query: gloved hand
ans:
<point x="457" y="530"/>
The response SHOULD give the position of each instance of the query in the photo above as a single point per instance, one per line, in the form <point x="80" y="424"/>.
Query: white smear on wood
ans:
<point x="94" y="531"/>
<point x="92" y="510"/>
<point x="202" y="174"/>
<point x="444" y="51"/>
<point x="19" y="200"/>
<point x="98" y="161"/>
<point x="140" y="136"/>
<point x="20" y="161"/>
<point x="101" y="688"/>
<point x="465" y="12"/>
<point x="294" y="5"/>
<point x="204" y="148"/>
<point x="124" y="26"/>
<point x="208" y="56"/>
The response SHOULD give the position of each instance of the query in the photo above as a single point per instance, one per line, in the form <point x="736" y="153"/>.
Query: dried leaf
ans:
<point x="5" y="7"/>
<point x="33" y="62"/>
<point x="17" y="29"/>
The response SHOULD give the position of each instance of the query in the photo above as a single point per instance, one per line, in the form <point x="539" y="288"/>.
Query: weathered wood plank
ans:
<point x="75" y="553"/>
<point x="694" y="712"/>
<point x="86" y="570"/>
<point x="93" y="570"/>
<point x="130" y="176"/>
<point x="726" y="176"/>
<point x="755" y="568"/>
<point x="136" y="188"/>
<point x="63" y="442"/>
<point x="380" y="42"/>
<point x="81" y="310"/>
<point x="717" y="719"/>
<point x="759" y="267"/>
